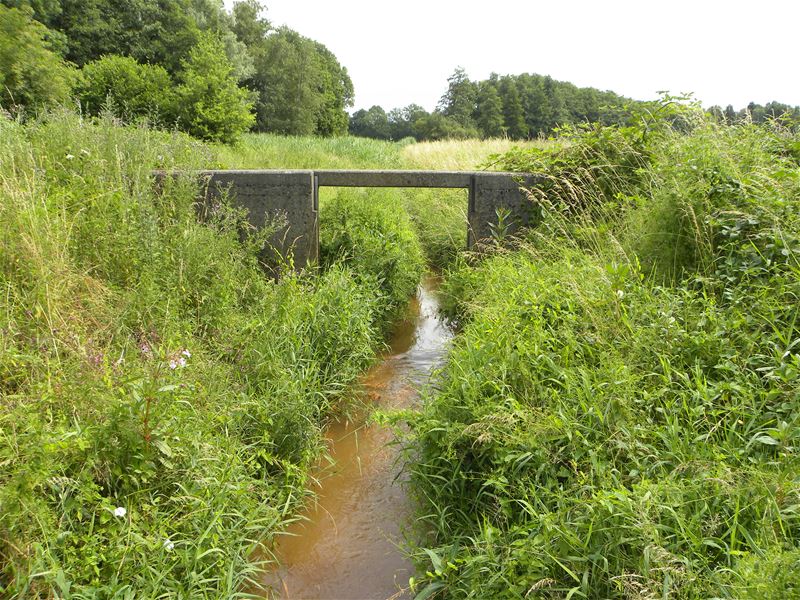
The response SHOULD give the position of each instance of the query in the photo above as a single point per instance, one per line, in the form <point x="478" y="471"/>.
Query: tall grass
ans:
<point x="161" y="398"/>
<point x="458" y="155"/>
<point x="619" y="414"/>
<point x="267" y="151"/>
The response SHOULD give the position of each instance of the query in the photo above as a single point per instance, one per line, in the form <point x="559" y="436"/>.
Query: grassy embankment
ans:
<point x="162" y="399"/>
<point x="619" y="416"/>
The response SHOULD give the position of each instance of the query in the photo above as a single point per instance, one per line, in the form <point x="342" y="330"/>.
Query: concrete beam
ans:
<point x="400" y="179"/>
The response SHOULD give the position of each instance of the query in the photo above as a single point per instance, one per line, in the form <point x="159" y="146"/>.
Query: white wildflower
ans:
<point x="120" y="512"/>
<point x="70" y="156"/>
<point x="187" y="354"/>
<point x="169" y="545"/>
<point x="620" y="294"/>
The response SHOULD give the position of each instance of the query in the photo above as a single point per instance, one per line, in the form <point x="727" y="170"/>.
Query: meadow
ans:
<point x="617" y="419"/>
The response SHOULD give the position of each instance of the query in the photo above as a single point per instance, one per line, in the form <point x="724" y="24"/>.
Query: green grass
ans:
<point x="267" y="151"/>
<point x="619" y="414"/>
<point x="162" y="399"/>
<point x="618" y="417"/>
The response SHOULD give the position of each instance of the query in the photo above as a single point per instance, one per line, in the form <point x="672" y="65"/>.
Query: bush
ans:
<point x="211" y="105"/>
<point x="366" y="231"/>
<point x="127" y="89"/>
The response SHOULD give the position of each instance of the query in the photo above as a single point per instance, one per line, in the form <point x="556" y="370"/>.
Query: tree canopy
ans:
<point x="524" y="106"/>
<point x="135" y="55"/>
<point x="31" y="73"/>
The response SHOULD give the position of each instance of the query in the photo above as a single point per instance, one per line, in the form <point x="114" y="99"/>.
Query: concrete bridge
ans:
<point x="294" y="195"/>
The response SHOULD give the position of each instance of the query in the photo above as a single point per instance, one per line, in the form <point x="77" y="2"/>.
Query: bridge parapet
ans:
<point x="294" y="196"/>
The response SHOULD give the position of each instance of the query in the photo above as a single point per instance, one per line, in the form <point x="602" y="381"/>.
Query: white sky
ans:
<point x="402" y="52"/>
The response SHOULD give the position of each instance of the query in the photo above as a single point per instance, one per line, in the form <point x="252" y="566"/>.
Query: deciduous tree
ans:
<point x="31" y="74"/>
<point x="210" y="103"/>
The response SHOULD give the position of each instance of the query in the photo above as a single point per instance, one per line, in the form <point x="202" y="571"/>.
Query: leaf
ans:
<point x="429" y="590"/>
<point x="767" y="440"/>
<point x="163" y="447"/>
<point x="436" y="560"/>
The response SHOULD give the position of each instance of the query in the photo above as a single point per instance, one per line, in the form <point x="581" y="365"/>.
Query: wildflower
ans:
<point x="620" y="294"/>
<point x="70" y="156"/>
<point x="179" y="359"/>
<point x="85" y="152"/>
<point x="120" y="512"/>
<point x="169" y="545"/>
<point x="144" y="348"/>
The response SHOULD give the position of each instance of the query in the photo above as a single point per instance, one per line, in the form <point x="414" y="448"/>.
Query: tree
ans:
<point x="287" y="84"/>
<point x="437" y="126"/>
<point x="211" y="105"/>
<point x="157" y="32"/>
<point x="44" y="11"/>
<point x="458" y="102"/>
<point x="31" y="74"/>
<point x="302" y="89"/>
<point x="372" y="123"/>
<point x="128" y="89"/>
<point x="489" y="110"/>
<point x="513" y="115"/>
<point x="248" y="25"/>
<point x="336" y="91"/>
<point x="403" y="120"/>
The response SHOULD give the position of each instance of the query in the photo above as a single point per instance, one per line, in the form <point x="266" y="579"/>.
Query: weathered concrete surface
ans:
<point x="287" y="197"/>
<point x="489" y="192"/>
<point x="492" y="194"/>
<point x="419" y="179"/>
<point x="293" y="197"/>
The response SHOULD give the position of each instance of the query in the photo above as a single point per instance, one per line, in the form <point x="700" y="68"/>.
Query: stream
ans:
<point x="345" y="546"/>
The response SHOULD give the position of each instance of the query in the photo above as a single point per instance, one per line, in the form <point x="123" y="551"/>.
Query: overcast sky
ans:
<point x="725" y="52"/>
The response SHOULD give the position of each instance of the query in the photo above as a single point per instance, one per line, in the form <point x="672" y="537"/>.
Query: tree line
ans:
<point x="756" y="113"/>
<point x="514" y="106"/>
<point x="215" y="73"/>
<point x="520" y="107"/>
<point x="185" y="63"/>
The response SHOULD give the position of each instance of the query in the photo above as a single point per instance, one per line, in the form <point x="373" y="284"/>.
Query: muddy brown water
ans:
<point x="345" y="546"/>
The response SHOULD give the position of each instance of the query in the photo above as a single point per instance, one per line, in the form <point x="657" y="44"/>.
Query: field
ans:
<point x="618" y="417"/>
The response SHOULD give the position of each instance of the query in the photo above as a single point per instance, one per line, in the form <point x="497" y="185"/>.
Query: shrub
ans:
<point x="211" y="105"/>
<point x="127" y="89"/>
<point x="366" y="231"/>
